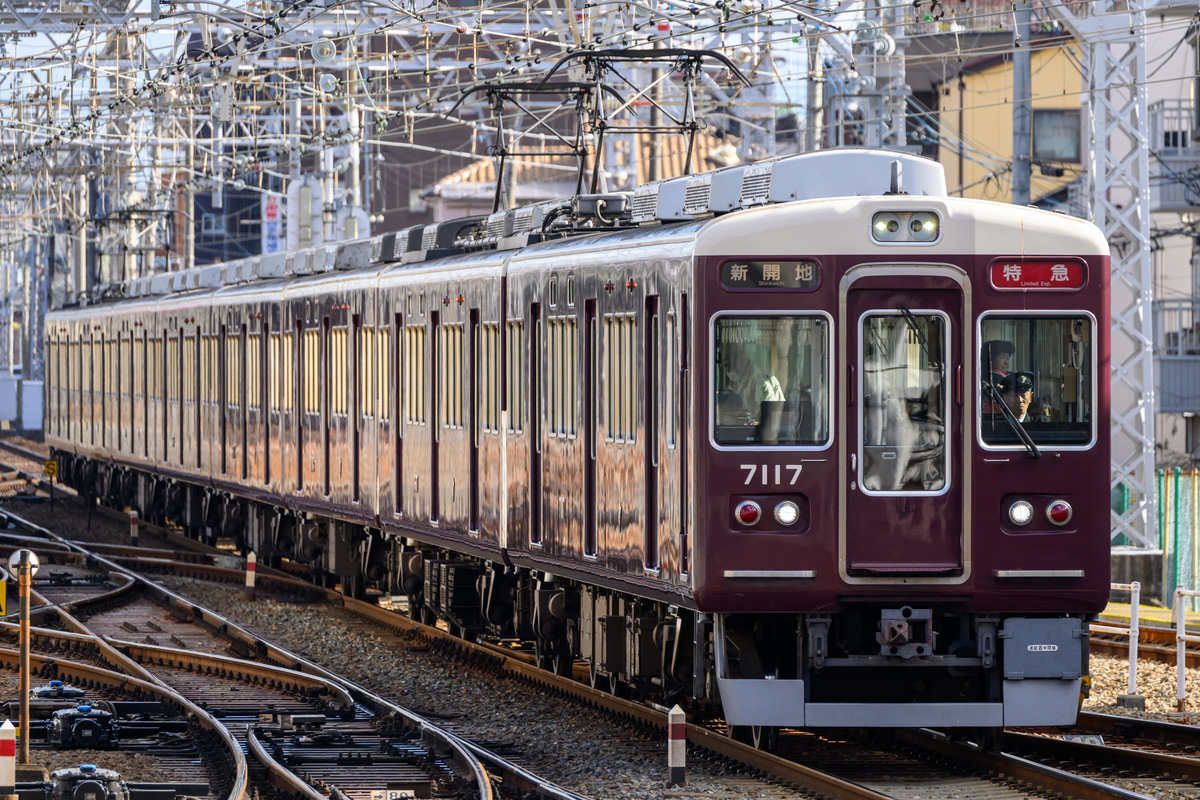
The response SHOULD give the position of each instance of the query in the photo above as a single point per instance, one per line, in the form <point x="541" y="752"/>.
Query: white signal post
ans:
<point x="676" y="747"/>
<point x="133" y="529"/>
<point x="251" y="568"/>
<point x="8" y="761"/>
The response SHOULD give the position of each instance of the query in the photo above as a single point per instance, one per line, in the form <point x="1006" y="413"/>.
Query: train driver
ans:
<point x="747" y="386"/>
<point x="1017" y="390"/>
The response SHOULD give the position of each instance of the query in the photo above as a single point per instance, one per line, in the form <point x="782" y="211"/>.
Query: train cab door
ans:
<point x="903" y="502"/>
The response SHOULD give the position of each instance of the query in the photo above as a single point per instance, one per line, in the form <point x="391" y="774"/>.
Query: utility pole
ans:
<point x="815" y="107"/>
<point x="1022" y="106"/>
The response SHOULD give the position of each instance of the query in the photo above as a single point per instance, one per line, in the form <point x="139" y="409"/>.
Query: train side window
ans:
<point x="383" y="348"/>
<point x="670" y="366"/>
<point x="489" y="378"/>
<point x="450" y="375"/>
<point x="563" y="379"/>
<point x="253" y="365"/>
<point x="274" y="349"/>
<point x="515" y="379"/>
<point x="312" y="363"/>
<point x="770" y="380"/>
<point x="139" y="368"/>
<point x="553" y="368"/>
<point x="189" y="369"/>
<point x="173" y="370"/>
<point x="339" y="342"/>
<point x="414" y="384"/>
<point x="1041" y="370"/>
<point x="286" y="372"/>
<point x="620" y="378"/>
<point x="233" y="370"/>
<point x="571" y="376"/>
<point x="365" y="357"/>
<point x="125" y="359"/>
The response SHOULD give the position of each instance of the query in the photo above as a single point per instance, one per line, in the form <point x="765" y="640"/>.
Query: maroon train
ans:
<point x="807" y="438"/>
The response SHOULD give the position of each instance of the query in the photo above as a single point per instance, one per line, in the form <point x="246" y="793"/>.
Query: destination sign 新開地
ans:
<point x="770" y="275"/>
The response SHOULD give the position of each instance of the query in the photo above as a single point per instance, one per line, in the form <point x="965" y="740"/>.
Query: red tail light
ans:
<point x="1059" y="512"/>
<point x="748" y="513"/>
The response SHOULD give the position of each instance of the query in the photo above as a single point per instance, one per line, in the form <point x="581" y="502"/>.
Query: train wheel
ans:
<point x="597" y="679"/>
<point x="760" y="737"/>
<point x="554" y="658"/>
<point x="990" y="740"/>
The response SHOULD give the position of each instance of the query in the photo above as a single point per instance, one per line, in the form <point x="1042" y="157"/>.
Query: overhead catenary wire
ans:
<point x="119" y="108"/>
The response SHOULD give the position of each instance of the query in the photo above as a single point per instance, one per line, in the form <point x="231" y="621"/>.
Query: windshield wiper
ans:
<point x="1013" y="422"/>
<point x="912" y="323"/>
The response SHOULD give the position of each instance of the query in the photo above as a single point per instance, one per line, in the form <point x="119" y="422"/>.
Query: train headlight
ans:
<point x="786" y="513"/>
<point x="886" y="227"/>
<point x="1059" y="512"/>
<point x="1020" y="513"/>
<point x="923" y="226"/>
<point x="748" y="513"/>
<point x="905" y="227"/>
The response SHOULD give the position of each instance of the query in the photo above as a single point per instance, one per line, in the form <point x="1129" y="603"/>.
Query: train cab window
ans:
<point x="1037" y="380"/>
<point x="770" y="380"/>
<point x="903" y="384"/>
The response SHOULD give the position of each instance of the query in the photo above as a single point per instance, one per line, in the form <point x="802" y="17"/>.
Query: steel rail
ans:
<point x="1179" y="768"/>
<point x="464" y="755"/>
<point x="279" y="775"/>
<point x="237" y="668"/>
<point x="110" y="655"/>
<point x="1014" y="769"/>
<point x="713" y="741"/>
<point x="1130" y="727"/>
<point x="89" y="675"/>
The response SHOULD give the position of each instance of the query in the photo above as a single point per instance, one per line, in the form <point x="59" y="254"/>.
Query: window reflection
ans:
<point x="771" y="381"/>
<point x="903" y="403"/>
<point x="1045" y="384"/>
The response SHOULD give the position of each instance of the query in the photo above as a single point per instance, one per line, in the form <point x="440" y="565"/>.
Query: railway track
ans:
<point x="905" y="767"/>
<point x="280" y="715"/>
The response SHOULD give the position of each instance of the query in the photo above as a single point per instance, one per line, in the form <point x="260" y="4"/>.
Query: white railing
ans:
<point x="1182" y="637"/>
<point x="1135" y="599"/>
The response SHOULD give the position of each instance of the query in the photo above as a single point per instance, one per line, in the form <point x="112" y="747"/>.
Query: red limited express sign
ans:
<point x="1023" y="274"/>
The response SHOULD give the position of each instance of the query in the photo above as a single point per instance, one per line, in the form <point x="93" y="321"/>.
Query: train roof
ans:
<point x="690" y="207"/>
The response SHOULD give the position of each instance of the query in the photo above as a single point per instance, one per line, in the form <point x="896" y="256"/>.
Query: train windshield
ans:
<point x="904" y="402"/>
<point x="1040" y="369"/>
<point x="771" y="380"/>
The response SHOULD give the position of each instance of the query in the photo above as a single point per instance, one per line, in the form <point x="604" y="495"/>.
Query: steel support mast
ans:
<point x="1112" y="33"/>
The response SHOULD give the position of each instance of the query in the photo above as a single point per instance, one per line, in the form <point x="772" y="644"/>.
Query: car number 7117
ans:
<point x="780" y="471"/>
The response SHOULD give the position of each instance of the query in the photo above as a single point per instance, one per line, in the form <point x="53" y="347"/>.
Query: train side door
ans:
<point x="903" y="507"/>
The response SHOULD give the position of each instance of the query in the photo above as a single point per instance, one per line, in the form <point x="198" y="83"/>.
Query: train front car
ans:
<point x="902" y="517"/>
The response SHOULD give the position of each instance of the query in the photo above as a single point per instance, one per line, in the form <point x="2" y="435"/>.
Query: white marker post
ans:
<point x="251" y="568"/>
<point x="8" y="761"/>
<point x="133" y="529"/>
<point x="676" y="747"/>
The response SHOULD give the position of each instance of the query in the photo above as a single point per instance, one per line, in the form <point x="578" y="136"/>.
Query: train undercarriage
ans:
<point x="868" y="665"/>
